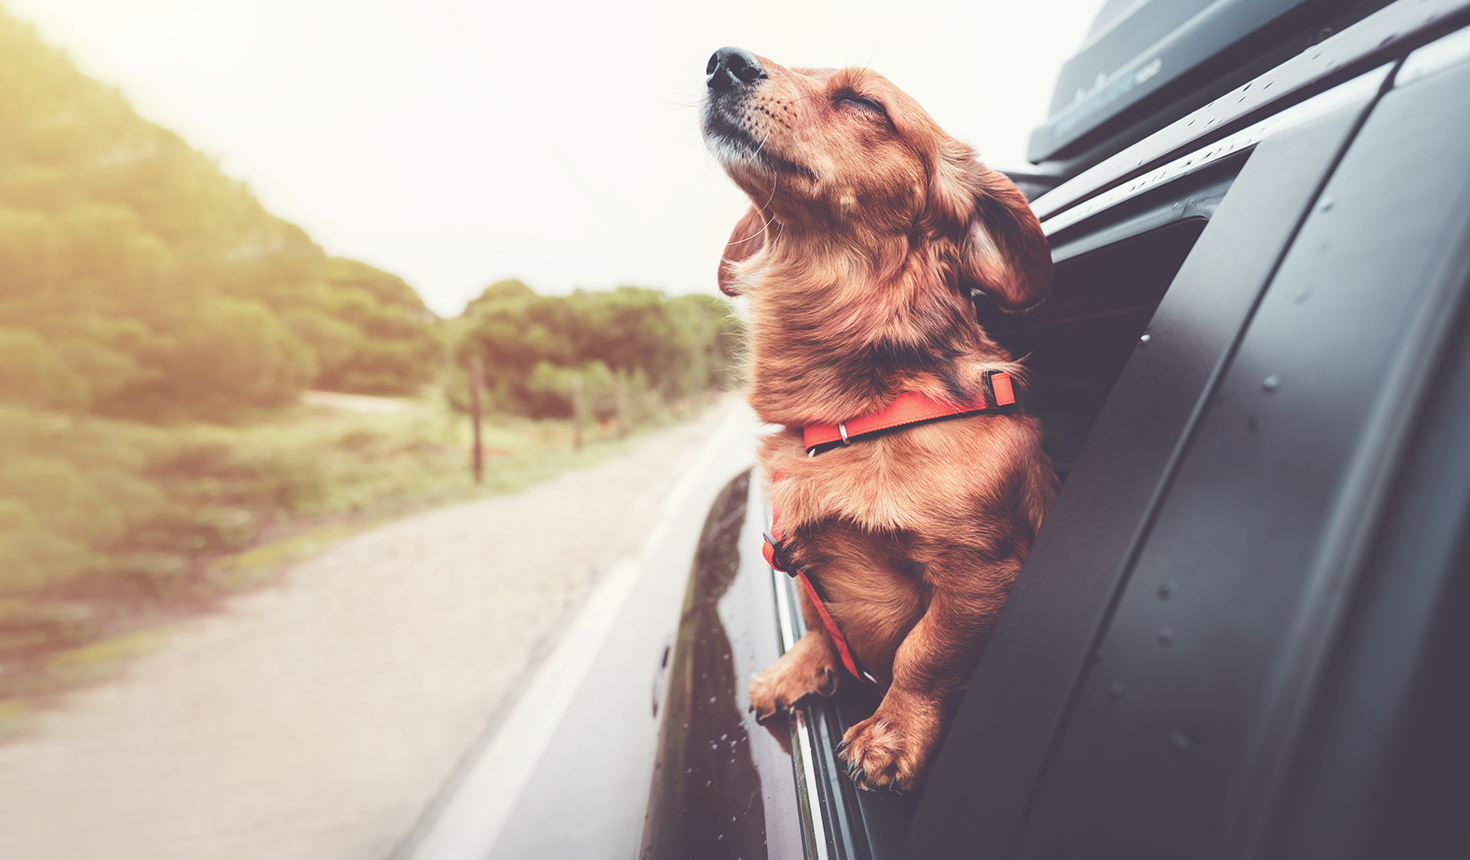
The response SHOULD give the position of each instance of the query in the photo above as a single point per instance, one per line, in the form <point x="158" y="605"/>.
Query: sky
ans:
<point x="456" y="143"/>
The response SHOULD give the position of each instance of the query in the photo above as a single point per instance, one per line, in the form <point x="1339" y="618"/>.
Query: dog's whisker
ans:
<point x="694" y="99"/>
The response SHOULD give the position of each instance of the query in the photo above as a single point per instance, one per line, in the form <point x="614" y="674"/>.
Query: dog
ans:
<point x="868" y="231"/>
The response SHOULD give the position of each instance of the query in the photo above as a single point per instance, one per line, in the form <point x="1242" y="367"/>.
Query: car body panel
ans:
<point x="1045" y="638"/>
<point x="1383" y="771"/>
<point x="722" y="783"/>
<point x="1201" y="653"/>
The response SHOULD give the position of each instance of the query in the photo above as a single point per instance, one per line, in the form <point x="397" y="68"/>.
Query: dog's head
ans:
<point x="845" y="153"/>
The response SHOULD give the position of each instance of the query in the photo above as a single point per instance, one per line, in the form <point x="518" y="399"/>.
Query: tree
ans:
<point x="142" y="282"/>
<point x="634" y="338"/>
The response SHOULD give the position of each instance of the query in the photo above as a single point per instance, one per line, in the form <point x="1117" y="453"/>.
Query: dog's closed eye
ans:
<point x="862" y="102"/>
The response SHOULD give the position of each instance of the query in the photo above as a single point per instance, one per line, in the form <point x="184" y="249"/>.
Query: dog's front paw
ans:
<point x="881" y="754"/>
<point x="806" y="669"/>
<point x="767" y="699"/>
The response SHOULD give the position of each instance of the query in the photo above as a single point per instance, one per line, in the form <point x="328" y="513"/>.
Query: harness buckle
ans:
<point x="842" y="428"/>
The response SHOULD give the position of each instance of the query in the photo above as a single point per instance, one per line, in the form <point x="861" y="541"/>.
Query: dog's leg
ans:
<point x="811" y="666"/>
<point x="893" y="747"/>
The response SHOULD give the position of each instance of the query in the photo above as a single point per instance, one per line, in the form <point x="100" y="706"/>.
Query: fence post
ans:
<point x="477" y="381"/>
<point x="620" y="390"/>
<point x="579" y="411"/>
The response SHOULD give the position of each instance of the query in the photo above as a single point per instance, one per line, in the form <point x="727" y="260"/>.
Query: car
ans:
<point x="1242" y="629"/>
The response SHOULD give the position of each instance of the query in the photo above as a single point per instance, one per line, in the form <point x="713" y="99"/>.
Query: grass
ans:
<point x="110" y="531"/>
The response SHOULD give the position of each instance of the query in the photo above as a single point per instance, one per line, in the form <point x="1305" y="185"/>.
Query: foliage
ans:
<point x="390" y="347"/>
<point x="138" y="281"/>
<point x="158" y="327"/>
<point x="631" y="342"/>
<point x="89" y="504"/>
<point x="110" y="526"/>
<point x="500" y="291"/>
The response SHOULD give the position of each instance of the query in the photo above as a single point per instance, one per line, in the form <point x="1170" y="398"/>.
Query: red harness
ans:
<point x="908" y="408"/>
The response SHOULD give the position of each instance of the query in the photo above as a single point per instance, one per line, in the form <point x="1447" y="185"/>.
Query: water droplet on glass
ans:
<point x="1271" y="383"/>
<point x="1166" y="636"/>
<point x="1166" y="589"/>
<point x="1255" y="422"/>
<point x="1183" y="742"/>
<point x="1143" y="341"/>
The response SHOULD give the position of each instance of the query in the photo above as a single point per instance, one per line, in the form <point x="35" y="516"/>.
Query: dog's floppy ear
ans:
<point x="748" y="237"/>
<point x="1005" y="253"/>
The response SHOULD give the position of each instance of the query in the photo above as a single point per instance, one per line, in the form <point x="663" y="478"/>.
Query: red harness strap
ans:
<point x="907" y="408"/>
<point x="848" y="660"/>
<point x="912" y="408"/>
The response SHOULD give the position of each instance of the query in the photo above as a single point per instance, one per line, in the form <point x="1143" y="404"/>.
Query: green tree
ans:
<point x="151" y="286"/>
<point x="634" y="338"/>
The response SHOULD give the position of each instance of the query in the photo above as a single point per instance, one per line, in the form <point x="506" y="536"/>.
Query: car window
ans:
<point x="1111" y="273"/>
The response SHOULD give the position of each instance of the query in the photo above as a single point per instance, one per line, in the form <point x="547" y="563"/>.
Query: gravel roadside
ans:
<point x="317" y="717"/>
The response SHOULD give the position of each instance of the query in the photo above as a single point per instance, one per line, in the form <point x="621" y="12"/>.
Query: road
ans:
<point x="321" y="716"/>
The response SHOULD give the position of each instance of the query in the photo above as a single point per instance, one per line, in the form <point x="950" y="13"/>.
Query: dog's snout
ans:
<point x="732" y="67"/>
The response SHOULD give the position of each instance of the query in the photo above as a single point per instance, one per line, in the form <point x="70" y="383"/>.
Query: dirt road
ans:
<point x="317" y="717"/>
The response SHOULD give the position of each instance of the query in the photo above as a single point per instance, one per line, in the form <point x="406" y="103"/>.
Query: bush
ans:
<point x="639" y="341"/>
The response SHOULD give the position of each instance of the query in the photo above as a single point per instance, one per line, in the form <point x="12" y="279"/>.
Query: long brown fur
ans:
<point x="869" y="228"/>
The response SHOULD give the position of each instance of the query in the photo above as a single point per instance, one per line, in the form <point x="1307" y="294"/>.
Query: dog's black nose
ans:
<point x="732" y="67"/>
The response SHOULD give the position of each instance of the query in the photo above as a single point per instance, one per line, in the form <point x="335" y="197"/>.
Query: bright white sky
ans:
<point x="458" y="142"/>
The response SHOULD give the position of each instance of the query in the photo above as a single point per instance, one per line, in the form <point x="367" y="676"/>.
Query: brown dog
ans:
<point x="869" y="230"/>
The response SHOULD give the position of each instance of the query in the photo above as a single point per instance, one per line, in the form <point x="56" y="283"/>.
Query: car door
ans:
<point x="1184" y="667"/>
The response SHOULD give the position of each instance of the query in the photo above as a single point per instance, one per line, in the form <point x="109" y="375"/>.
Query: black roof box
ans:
<point x="1143" y="56"/>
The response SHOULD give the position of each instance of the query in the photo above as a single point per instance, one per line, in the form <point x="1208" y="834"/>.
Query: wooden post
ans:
<point x="621" y="390"/>
<point x="579" y="412"/>
<point x="477" y="381"/>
